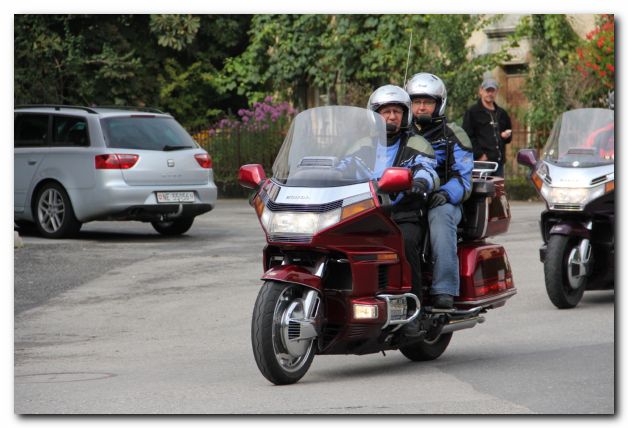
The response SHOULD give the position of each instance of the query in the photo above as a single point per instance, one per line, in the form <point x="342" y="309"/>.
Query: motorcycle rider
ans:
<point x="454" y="155"/>
<point x="412" y="152"/>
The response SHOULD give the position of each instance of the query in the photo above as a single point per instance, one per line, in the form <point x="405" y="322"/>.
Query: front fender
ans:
<point x="571" y="228"/>
<point x="293" y="274"/>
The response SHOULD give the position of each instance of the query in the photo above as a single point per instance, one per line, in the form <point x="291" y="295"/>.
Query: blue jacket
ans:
<point x="409" y="151"/>
<point x="454" y="156"/>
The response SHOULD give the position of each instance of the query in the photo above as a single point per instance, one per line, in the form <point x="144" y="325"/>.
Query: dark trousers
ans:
<point x="500" y="170"/>
<point x="412" y="233"/>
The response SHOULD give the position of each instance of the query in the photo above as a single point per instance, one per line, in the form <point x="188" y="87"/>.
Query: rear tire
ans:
<point x="273" y="358"/>
<point x="53" y="212"/>
<point x="562" y="294"/>
<point x="427" y="350"/>
<point x="177" y="226"/>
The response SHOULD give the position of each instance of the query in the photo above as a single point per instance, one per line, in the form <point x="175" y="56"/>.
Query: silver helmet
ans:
<point x="391" y="94"/>
<point x="428" y="85"/>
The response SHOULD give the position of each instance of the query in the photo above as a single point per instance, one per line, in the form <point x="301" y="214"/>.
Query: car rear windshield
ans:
<point x="146" y="133"/>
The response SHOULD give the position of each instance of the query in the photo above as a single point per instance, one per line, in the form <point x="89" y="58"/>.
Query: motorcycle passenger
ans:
<point x="454" y="155"/>
<point x="412" y="152"/>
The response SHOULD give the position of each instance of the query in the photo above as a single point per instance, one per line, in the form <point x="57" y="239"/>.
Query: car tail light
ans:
<point x="204" y="160"/>
<point x="116" y="161"/>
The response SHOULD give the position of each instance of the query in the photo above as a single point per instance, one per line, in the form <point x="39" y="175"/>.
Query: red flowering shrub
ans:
<point x="597" y="55"/>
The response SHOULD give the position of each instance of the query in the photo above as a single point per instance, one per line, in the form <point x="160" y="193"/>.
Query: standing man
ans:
<point x="454" y="158"/>
<point x="488" y="126"/>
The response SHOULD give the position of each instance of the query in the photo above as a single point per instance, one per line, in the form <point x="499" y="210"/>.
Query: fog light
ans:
<point x="361" y="312"/>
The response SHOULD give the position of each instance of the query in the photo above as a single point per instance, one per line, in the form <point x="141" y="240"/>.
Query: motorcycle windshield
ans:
<point x="582" y="138"/>
<point x="333" y="146"/>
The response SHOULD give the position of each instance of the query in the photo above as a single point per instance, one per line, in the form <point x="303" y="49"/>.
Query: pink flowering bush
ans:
<point x="254" y="136"/>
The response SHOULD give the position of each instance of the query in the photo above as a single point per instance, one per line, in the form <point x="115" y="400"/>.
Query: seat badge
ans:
<point x="170" y="163"/>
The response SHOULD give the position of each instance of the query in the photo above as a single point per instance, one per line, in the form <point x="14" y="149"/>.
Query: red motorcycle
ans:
<point x="336" y="277"/>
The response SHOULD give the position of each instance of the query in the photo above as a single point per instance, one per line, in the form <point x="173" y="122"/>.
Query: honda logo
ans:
<point x="170" y="163"/>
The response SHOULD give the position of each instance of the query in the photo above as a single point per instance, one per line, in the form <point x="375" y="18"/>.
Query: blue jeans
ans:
<point x="444" y="221"/>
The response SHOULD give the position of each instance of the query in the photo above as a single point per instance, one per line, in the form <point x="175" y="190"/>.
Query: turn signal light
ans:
<point x="116" y="161"/>
<point x="204" y="160"/>
<point x="538" y="181"/>
<point x="609" y="186"/>
<point x="353" y="209"/>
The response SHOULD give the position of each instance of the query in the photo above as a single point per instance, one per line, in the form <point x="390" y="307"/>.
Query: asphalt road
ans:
<point x="122" y="320"/>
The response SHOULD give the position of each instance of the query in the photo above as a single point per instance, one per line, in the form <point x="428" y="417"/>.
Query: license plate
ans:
<point x="170" y="197"/>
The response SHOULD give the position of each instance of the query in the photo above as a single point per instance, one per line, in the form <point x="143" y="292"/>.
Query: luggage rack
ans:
<point x="57" y="107"/>
<point x="483" y="169"/>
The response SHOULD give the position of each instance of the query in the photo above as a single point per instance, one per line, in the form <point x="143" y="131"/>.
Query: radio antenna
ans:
<point x="405" y="78"/>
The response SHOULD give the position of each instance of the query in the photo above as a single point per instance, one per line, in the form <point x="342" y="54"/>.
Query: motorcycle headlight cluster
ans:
<point x="308" y="223"/>
<point x="571" y="196"/>
<point x="301" y="223"/>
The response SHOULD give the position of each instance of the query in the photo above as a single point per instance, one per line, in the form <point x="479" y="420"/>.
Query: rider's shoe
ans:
<point x="443" y="301"/>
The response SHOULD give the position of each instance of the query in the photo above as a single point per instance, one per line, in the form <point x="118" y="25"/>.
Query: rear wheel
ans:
<point x="176" y="226"/>
<point x="427" y="350"/>
<point x="275" y="328"/>
<point x="564" y="281"/>
<point x="54" y="216"/>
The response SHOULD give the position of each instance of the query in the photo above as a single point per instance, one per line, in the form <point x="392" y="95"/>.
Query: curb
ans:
<point x="17" y="241"/>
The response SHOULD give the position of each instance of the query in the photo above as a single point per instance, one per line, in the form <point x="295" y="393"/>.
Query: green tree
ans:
<point x="164" y="61"/>
<point x="345" y="54"/>
<point x="554" y="83"/>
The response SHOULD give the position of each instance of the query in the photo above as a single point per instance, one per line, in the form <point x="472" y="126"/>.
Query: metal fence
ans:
<point x="231" y="148"/>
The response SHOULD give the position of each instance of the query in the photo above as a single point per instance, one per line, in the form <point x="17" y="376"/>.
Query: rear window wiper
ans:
<point x="171" y="148"/>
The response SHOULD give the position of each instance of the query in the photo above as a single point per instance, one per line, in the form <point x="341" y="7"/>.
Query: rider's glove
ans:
<point x="437" y="199"/>
<point x="419" y="186"/>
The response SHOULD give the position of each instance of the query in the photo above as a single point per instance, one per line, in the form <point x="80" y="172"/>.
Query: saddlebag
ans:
<point x="485" y="275"/>
<point x="486" y="212"/>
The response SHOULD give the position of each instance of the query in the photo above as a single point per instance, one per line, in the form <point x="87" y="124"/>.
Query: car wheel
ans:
<point x="54" y="215"/>
<point x="177" y="226"/>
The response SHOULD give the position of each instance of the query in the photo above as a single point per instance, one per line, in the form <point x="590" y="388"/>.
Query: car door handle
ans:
<point x="32" y="161"/>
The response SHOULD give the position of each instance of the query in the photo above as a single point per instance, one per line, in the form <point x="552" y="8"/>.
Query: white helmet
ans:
<point x="428" y="85"/>
<point x="391" y="94"/>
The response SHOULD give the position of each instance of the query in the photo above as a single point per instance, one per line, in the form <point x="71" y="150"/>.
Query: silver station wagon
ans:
<point x="73" y="165"/>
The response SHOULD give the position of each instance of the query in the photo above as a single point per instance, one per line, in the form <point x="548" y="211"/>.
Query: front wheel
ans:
<point x="564" y="280"/>
<point x="177" y="226"/>
<point x="282" y="347"/>
<point x="427" y="350"/>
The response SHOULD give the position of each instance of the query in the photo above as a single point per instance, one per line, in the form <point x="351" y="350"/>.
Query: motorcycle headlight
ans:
<point x="290" y="222"/>
<point x="301" y="223"/>
<point x="570" y="195"/>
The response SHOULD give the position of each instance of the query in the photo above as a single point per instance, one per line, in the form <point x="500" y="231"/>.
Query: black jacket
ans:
<point x="484" y="136"/>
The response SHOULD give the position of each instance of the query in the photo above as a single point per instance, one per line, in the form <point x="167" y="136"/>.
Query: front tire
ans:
<point x="280" y="362"/>
<point x="427" y="350"/>
<point x="563" y="292"/>
<point x="54" y="215"/>
<point x="177" y="226"/>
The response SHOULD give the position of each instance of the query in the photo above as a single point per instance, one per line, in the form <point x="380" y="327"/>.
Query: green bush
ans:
<point x="521" y="189"/>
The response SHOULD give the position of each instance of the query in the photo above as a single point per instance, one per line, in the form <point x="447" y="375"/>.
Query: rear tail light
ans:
<point x="116" y="161"/>
<point x="204" y="160"/>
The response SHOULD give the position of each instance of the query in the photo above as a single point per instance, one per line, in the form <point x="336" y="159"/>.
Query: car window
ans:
<point x="30" y="130"/>
<point x="146" y="133"/>
<point x="69" y="131"/>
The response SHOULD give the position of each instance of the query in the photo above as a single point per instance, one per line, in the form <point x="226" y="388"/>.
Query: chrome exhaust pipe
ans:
<point x="455" y="325"/>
